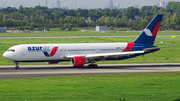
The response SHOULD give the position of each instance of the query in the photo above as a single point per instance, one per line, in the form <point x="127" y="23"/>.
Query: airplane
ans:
<point x="80" y="54"/>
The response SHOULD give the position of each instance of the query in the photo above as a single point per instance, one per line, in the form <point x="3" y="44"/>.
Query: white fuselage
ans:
<point x="35" y="52"/>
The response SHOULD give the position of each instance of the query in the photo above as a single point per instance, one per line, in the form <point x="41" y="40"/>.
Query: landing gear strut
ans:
<point x="92" y="64"/>
<point x="17" y="67"/>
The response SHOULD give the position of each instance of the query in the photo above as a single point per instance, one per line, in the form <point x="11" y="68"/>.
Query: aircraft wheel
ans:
<point x="17" y="67"/>
<point x="93" y="65"/>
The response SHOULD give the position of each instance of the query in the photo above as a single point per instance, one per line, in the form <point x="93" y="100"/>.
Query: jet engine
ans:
<point x="78" y="61"/>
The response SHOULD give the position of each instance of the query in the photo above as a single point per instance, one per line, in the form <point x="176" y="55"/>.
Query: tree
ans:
<point x="93" y="14"/>
<point x="84" y="13"/>
<point x="81" y="22"/>
<point x="108" y="21"/>
<point x="71" y="12"/>
<point x="173" y="7"/>
<point x="174" y="18"/>
<point x="131" y="12"/>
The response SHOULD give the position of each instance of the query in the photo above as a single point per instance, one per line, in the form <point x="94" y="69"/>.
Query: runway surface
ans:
<point x="8" y="72"/>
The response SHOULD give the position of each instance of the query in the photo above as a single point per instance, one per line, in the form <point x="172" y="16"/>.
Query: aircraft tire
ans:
<point x="93" y="65"/>
<point x="17" y="67"/>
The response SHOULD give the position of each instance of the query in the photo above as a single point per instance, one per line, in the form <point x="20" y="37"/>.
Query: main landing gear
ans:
<point x="92" y="65"/>
<point x="17" y="67"/>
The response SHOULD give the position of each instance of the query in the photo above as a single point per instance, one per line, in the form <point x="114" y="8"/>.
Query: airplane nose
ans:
<point x="5" y="55"/>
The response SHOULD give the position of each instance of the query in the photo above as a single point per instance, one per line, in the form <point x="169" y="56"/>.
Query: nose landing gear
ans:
<point x="16" y="66"/>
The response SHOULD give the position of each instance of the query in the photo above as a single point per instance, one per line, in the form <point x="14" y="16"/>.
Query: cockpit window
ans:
<point x="12" y="50"/>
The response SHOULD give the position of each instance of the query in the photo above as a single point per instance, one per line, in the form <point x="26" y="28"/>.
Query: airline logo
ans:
<point x="44" y="49"/>
<point x="38" y="49"/>
<point x="52" y="53"/>
<point x="148" y="32"/>
<point x="154" y="32"/>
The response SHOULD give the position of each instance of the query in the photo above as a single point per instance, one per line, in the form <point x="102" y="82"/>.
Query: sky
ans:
<point x="86" y="4"/>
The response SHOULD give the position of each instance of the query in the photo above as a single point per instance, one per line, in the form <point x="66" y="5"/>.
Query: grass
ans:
<point x="110" y="87"/>
<point x="165" y="55"/>
<point x="78" y="33"/>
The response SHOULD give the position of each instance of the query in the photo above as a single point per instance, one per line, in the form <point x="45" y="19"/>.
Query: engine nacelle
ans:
<point x="78" y="61"/>
<point x="52" y="62"/>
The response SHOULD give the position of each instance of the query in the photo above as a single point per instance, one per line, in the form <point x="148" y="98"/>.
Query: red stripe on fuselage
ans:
<point x="53" y="52"/>
<point x="129" y="47"/>
<point x="156" y="29"/>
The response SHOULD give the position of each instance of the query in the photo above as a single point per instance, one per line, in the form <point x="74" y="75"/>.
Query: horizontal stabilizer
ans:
<point x="155" y="48"/>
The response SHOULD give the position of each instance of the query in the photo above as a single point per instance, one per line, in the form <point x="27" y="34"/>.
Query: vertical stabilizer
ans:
<point x="148" y="35"/>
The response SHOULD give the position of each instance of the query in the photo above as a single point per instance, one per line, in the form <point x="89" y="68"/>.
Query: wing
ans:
<point x="106" y="55"/>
